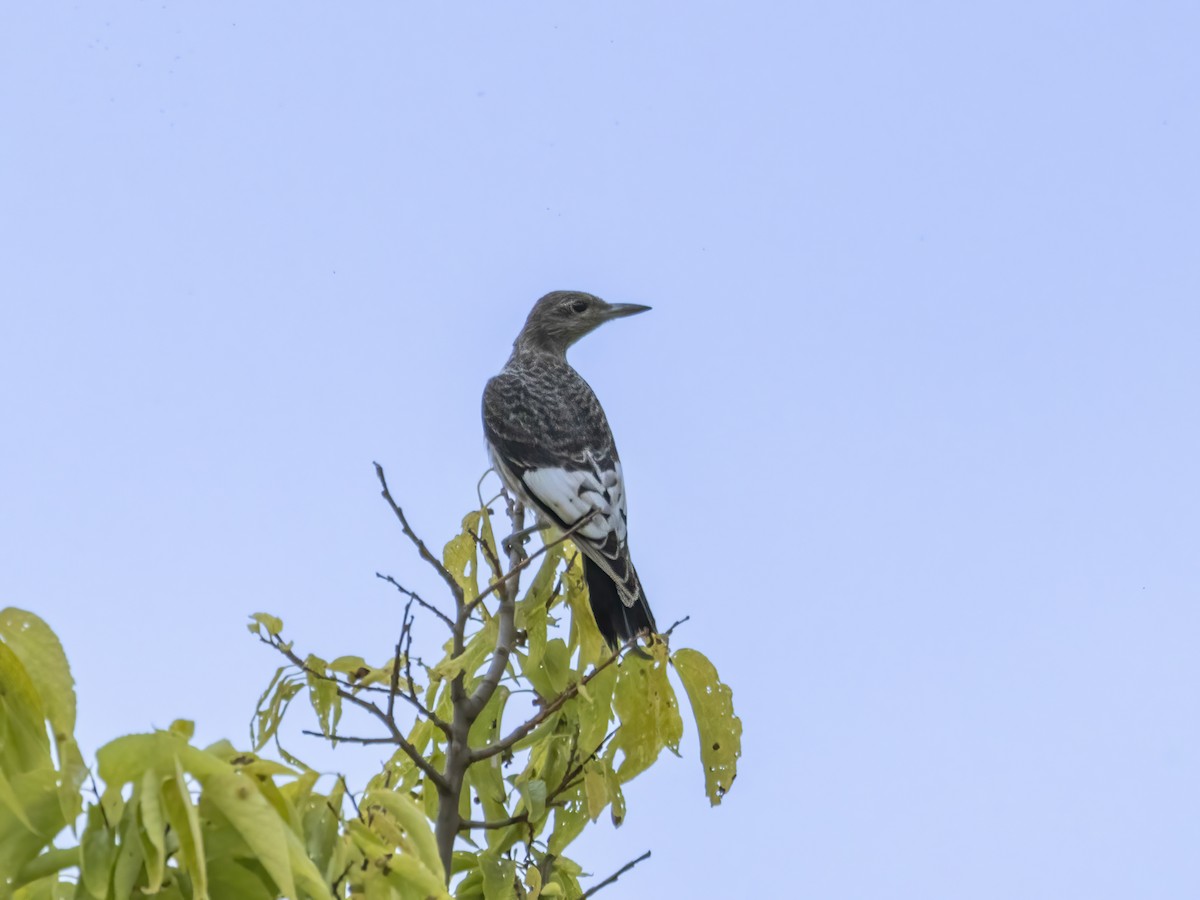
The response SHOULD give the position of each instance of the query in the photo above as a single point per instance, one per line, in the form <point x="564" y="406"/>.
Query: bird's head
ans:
<point x="562" y="317"/>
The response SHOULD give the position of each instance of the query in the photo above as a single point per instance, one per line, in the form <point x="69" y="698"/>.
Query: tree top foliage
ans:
<point x="505" y="750"/>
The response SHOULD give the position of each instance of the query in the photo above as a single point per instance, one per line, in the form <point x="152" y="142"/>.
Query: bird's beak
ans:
<point x="621" y="310"/>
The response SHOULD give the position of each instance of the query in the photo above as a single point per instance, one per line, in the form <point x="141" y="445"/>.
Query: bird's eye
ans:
<point x="579" y="306"/>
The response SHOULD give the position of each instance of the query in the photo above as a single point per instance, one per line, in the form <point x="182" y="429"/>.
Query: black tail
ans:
<point x="616" y="621"/>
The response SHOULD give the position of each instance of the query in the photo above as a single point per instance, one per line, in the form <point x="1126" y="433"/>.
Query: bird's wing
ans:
<point x="557" y="452"/>
<point x="569" y="494"/>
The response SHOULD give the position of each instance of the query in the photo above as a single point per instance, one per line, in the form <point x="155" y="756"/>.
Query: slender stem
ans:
<point x="412" y="595"/>
<point x="614" y="876"/>
<point x="455" y="589"/>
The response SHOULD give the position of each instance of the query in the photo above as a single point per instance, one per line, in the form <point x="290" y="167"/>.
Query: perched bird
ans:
<point x="551" y="445"/>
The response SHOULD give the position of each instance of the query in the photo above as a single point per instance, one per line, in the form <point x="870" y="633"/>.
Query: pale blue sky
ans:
<point x="911" y="432"/>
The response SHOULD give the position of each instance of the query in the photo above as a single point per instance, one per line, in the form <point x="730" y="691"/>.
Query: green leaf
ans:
<point x="185" y="821"/>
<point x="499" y="877"/>
<point x="460" y="558"/>
<point x="35" y="793"/>
<point x="43" y="658"/>
<point x="323" y="694"/>
<point x="129" y="857"/>
<point x="649" y="713"/>
<point x="350" y="665"/>
<point x="489" y="539"/>
<point x="8" y="797"/>
<point x="616" y="795"/>
<point x="24" y="745"/>
<point x="720" y="730"/>
<point x="478" y="648"/>
<point x="584" y="633"/>
<point x="411" y="818"/>
<point x="236" y="796"/>
<point x="273" y="624"/>
<point x="153" y="824"/>
<point x="533" y="793"/>
<point x="595" y="784"/>
<point x="596" y="709"/>
<point x="268" y="717"/>
<point x="405" y="873"/>
<point x="98" y="850"/>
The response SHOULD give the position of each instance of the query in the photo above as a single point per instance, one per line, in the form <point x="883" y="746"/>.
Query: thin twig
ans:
<point x="353" y="802"/>
<point x="468" y="824"/>
<point x="667" y="633"/>
<point x="493" y="562"/>
<point x="614" y="876"/>
<point x="394" y="681"/>
<point x="348" y="739"/>
<point x="454" y="586"/>
<point x="412" y="595"/>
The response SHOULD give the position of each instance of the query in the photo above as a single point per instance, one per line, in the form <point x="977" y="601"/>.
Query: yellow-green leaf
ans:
<point x="499" y="877"/>
<point x="185" y="821"/>
<point x="97" y="851"/>
<point x="43" y="658"/>
<point x="460" y="558"/>
<point x="273" y="624"/>
<point x="406" y="873"/>
<point x="649" y="713"/>
<point x="153" y="828"/>
<point x="23" y="742"/>
<point x="257" y="822"/>
<point x="720" y="730"/>
<point x="595" y="786"/>
<point x="412" y="819"/>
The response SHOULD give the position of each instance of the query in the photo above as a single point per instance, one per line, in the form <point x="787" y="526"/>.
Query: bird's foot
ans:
<point x="516" y="540"/>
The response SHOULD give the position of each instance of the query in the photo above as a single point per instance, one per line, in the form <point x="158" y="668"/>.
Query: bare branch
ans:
<point x="468" y="824"/>
<point x="404" y="649"/>
<point x="348" y="739"/>
<point x="614" y="876"/>
<point x="353" y="802"/>
<point x="667" y="633"/>
<point x="455" y="589"/>
<point x="394" y="681"/>
<point x="412" y="595"/>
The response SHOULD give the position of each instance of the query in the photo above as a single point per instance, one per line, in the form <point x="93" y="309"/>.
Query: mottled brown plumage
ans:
<point x="550" y="441"/>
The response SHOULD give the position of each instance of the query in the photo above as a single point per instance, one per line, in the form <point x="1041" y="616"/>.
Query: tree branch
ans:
<point x="404" y="648"/>
<point x="614" y="876"/>
<point x="397" y="736"/>
<point x="679" y="622"/>
<point x="467" y="709"/>
<point x="412" y="595"/>
<point x="548" y="710"/>
<point x="468" y="824"/>
<point x="348" y="739"/>
<point x="455" y="589"/>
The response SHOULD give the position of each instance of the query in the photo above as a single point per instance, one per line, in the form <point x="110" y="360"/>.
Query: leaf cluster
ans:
<point x="523" y="733"/>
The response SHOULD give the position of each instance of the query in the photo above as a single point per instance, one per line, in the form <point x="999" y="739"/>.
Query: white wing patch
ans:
<point x="573" y="493"/>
